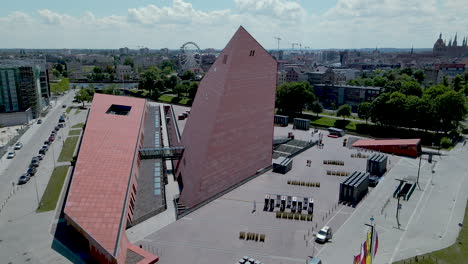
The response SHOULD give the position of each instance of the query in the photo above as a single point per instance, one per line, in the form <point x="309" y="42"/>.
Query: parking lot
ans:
<point x="211" y="233"/>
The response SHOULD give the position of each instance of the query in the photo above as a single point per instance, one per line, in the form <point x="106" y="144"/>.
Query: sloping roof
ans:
<point x="386" y="142"/>
<point x="100" y="182"/>
<point x="229" y="133"/>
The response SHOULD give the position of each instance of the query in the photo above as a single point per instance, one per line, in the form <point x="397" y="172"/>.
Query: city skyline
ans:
<point x="169" y="23"/>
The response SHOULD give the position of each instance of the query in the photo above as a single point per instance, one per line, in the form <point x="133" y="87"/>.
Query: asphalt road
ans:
<point x="33" y="139"/>
<point x="26" y="236"/>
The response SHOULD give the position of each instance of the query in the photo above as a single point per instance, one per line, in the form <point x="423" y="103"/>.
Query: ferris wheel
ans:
<point x="190" y="56"/>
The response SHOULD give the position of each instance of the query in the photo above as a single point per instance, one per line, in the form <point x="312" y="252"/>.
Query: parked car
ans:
<point x="18" y="145"/>
<point x="40" y="156"/>
<point x="47" y="142"/>
<point x="31" y="171"/>
<point x="324" y="234"/>
<point x="64" y="106"/>
<point x="39" y="121"/>
<point x="23" y="179"/>
<point x="53" y="133"/>
<point x="61" y="125"/>
<point x="51" y="138"/>
<point x="57" y="128"/>
<point x="373" y="181"/>
<point x="44" y="149"/>
<point x="11" y="155"/>
<point x="61" y="119"/>
<point x="35" y="162"/>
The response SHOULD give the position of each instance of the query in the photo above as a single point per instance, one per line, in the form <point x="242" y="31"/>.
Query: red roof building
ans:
<point x="228" y="136"/>
<point x="405" y="147"/>
<point x="101" y="196"/>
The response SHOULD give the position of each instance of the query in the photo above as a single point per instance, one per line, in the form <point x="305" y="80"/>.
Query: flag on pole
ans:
<point x="368" y="248"/>
<point x="357" y="259"/>
<point x="375" y="243"/>
<point x="363" y="253"/>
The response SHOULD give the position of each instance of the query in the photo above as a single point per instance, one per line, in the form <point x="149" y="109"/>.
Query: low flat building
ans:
<point x="405" y="147"/>
<point x="332" y="96"/>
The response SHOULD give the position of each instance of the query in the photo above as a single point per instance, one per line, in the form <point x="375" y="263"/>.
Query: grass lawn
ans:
<point x="166" y="98"/>
<point x="54" y="187"/>
<point x="75" y="132"/>
<point x="79" y="125"/>
<point x="69" y="109"/>
<point x="77" y="111"/>
<point x="172" y="99"/>
<point x="455" y="254"/>
<point x="68" y="149"/>
<point x="323" y="121"/>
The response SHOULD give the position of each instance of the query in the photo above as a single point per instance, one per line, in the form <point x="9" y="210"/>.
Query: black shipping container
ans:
<point x="377" y="164"/>
<point x="300" y="123"/>
<point x="281" y="120"/>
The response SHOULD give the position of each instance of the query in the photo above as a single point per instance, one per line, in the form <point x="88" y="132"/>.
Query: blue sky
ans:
<point x="210" y="23"/>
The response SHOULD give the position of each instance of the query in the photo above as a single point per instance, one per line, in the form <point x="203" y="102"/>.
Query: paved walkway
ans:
<point x="167" y="217"/>
<point x="429" y="220"/>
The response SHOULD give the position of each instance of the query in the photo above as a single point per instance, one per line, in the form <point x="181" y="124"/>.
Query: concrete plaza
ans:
<point x="211" y="233"/>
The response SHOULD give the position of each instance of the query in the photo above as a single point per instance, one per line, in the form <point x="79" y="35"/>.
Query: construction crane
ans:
<point x="278" y="39"/>
<point x="294" y="45"/>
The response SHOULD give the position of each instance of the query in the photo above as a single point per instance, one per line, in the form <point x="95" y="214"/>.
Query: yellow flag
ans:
<point x="369" y="245"/>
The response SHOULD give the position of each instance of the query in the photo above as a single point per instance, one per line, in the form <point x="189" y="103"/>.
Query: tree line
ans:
<point x="404" y="102"/>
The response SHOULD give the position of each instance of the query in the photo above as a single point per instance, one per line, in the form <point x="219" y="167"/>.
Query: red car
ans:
<point x="51" y="138"/>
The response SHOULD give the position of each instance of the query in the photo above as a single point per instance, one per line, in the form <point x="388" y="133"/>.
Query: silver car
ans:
<point x="18" y="145"/>
<point x="11" y="155"/>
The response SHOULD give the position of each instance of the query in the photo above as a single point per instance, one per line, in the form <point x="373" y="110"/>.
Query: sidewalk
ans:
<point x="428" y="220"/>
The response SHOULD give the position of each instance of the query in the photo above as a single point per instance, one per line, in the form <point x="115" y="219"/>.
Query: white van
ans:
<point x="324" y="234"/>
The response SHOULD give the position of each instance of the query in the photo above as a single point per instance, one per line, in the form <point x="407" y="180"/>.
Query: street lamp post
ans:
<point x="398" y="203"/>
<point x="419" y="169"/>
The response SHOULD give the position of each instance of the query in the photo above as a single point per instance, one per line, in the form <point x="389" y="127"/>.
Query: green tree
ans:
<point x="457" y="83"/>
<point x="419" y="76"/>
<point x="436" y="90"/>
<point x="445" y="81"/>
<point x="380" y="81"/>
<point x="129" y="61"/>
<point x="451" y="108"/>
<point x="109" y="69"/>
<point x="364" y="110"/>
<point x="111" y="90"/>
<point x="83" y="96"/>
<point x="192" y="91"/>
<point x="344" y="111"/>
<point x="171" y="82"/>
<point x="188" y="75"/>
<point x="392" y="86"/>
<point x="150" y="80"/>
<point x="316" y="107"/>
<point x="168" y="67"/>
<point x="292" y="97"/>
<point x="411" y="88"/>
<point x="181" y="88"/>
<point x="407" y="71"/>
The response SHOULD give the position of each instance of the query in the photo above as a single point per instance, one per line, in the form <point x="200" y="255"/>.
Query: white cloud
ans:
<point x="180" y="12"/>
<point x="348" y="24"/>
<point x="279" y="9"/>
<point x="53" y="18"/>
<point x="16" y="17"/>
